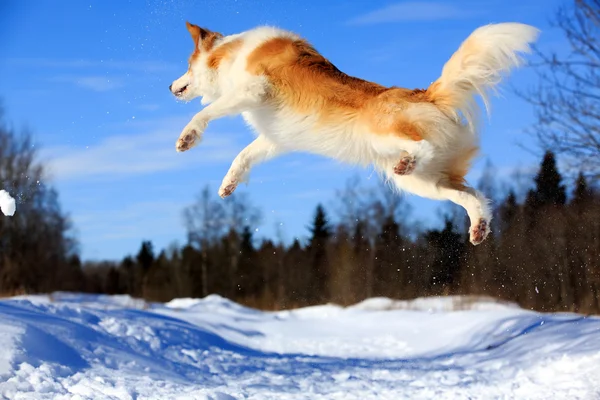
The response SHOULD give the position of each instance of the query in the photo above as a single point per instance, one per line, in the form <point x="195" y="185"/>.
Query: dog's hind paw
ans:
<point x="406" y="165"/>
<point x="480" y="231"/>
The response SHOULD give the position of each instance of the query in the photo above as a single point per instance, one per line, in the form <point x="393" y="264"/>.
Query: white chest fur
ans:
<point x="297" y="132"/>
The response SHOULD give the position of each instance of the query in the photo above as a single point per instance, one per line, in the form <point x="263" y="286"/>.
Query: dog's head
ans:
<point x="190" y="85"/>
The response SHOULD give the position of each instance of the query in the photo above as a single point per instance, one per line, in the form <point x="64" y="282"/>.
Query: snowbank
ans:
<point x="101" y="347"/>
<point x="435" y="304"/>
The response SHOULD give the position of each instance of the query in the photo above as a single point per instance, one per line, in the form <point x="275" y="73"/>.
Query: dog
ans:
<point x="422" y="140"/>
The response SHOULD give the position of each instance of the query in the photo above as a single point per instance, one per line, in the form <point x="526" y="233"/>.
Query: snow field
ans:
<point x="73" y="346"/>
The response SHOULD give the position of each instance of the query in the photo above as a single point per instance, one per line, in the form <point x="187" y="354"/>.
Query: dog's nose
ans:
<point x="170" y="86"/>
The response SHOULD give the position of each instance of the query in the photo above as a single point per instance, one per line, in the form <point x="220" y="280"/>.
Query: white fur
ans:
<point x="478" y="64"/>
<point x="474" y="68"/>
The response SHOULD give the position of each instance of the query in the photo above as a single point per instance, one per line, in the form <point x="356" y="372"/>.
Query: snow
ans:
<point x="7" y="204"/>
<point x="77" y="346"/>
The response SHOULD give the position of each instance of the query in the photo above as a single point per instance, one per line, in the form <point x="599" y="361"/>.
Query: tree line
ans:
<point x="543" y="252"/>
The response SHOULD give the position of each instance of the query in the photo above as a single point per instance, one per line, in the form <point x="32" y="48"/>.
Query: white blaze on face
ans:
<point x="7" y="204"/>
<point x="181" y="82"/>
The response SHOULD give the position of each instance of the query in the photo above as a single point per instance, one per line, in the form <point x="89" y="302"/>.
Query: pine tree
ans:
<point x="192" y="266"/>
<point x="364" y="261"/>
<point x="113" y="281"/>
<point x="128" y="271"/>
<point x="321" y="232"/>
<point x="449" y="250"/>
<point x="388" y="271"/>
<point x="247" y="246"/>
<point x="145" y="256"/>
<point x="582" y="192"/>
<point x="549" y="190"/>
<point x="158" y="281"/>
<point x="298" y="276"/>
<point x="510" y="208"/>
<point x="249" y="279"/>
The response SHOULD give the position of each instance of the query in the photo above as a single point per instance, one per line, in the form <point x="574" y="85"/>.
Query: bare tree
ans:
<point x="369" y="207"/>
<point x="362" y="213"/>
<point x="240" y="214"/>
<point x="35" y="243"/>
<point x="205" y="223"/>
<point x="567" y="98"/>
<point x="210" y="220"/>
<point x="487" y="183"/>
<point x="389" y="204"/>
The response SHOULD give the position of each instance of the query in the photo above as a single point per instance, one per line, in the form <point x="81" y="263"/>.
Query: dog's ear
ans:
<point x="200" y="35"/>
<point x="196" y="32"/>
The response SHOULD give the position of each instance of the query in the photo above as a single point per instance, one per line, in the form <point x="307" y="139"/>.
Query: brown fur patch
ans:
<point x="384" y="114"/>
<point x="195" y="31"/>
<point x="204" y="39"/>
<point x="223" y="52"/>
<point x="407" y="129"/>
<point x="209" y="40"/>
<point x="440" y="97"/>
<point x="309" y="83"/>
<point x="412" y="95"/>
<point x="305" y="79"/>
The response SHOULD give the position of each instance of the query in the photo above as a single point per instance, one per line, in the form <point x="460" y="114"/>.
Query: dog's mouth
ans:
<point x="179" y="93"/>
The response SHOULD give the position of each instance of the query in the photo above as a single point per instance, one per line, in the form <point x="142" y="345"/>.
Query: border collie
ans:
<point x="423" y="140"/>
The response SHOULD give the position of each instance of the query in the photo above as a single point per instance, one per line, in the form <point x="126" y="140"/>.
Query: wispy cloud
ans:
<point x="393" y="50"/>
<point x="120" y="156"/>
<point x="412" y="11"/>
<point x="95" y="83"/>
<point x="122" y="225"/>
<point x="128" y="221"/>
<point x="141" y="65"/>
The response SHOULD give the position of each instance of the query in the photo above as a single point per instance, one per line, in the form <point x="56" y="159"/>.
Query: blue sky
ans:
<point x="90" y="79"/>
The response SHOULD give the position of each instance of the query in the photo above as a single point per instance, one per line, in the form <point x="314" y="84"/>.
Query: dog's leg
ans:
<point x="436" y="187"/>
<point x="477" y="208"/>
<point x="229" y="104"/>
<point x="261" y="149"/>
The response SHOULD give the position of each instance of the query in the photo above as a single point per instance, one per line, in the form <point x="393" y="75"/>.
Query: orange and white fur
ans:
<point x="296" y="100"/>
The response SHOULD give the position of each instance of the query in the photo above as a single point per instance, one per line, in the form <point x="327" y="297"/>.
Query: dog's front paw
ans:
<point x="190" y="136"/>
<point x="227" y="189"/>
<point x="187" y="140"/>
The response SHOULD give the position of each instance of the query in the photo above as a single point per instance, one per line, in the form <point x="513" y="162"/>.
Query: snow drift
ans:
<point x="101" y="347"/>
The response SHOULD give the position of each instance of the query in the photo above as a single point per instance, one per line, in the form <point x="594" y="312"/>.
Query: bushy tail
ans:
<point x="477" y="66"/>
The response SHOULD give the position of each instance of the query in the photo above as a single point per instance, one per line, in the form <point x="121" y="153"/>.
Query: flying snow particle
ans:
<point x="7" y="204"/>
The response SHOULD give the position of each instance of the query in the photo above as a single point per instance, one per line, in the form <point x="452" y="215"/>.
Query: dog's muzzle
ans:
<point x="179" y="92"/>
